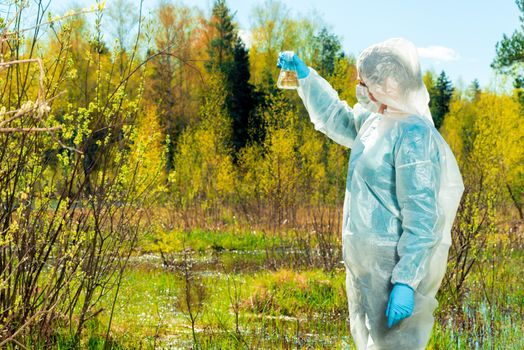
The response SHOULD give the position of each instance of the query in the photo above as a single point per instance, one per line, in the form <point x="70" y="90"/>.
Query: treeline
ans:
<point x="247" y="148"/>
<point x="177" y="124"/>
<point x="237" y="146"/>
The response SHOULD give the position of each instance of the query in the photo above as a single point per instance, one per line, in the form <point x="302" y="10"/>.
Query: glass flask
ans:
<point x="287" y="79"/>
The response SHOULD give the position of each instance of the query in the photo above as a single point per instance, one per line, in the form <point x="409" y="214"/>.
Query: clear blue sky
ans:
<point x="457" y="36"/>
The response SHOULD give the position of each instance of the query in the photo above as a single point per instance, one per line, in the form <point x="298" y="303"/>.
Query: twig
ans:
<point x="147" y="59"/>
<point x="22" y="6"/>
<point x="67" y="15"/>
<point x="30" y="60"/>
<point x="21" y="111"/>
<point x="19" y="344"/>
<point x="6" y="130"/>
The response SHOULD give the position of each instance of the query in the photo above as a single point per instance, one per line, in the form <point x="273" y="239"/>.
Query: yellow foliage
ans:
<point x="337" y="165"/>
<point x="313" y="169"/>
<point x="149" y="152"/>
<point x="344" y="80"/>
<point x="249" y="164"/>
<point x="500" y="133"/>
<point x="486" y="136"/>
<point x="203" y="167"/>
<point x="455" y="130"/>
<point x="281" y="165"/>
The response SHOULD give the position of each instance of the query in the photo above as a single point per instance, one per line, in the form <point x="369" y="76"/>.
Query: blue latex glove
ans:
<point x="289" y="60"/>
<point x="400" y="304"/>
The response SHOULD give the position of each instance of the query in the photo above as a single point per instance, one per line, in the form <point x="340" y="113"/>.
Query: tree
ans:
<point x="489" y="160"/>
<point x="510" y="54"/>
<point x="274" y="30"/>
<point x="485" y="135"/>
<point x="69" y="198"/>
<point x="124" y="20"/>
<point x="510" y="50"/>
<point x="229" y="57"/>
<point x="326" y="50"/>
<point x="440" y="95"/>
<point x="429" y="81"/>
<point x="277" y="168"/>
<point x="223" y="38"/>
<point x="344" y="79"/>
<point x="203" y="176"/>
<point x="247" y="125"/>
<point x="174" y="81"/>
<point x="473" y="90"/>
<point x="271" y="25"/>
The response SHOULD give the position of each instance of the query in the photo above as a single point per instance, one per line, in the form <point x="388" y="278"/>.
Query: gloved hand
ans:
<point x="400" y="304"/>
<point x="289" y="60"/>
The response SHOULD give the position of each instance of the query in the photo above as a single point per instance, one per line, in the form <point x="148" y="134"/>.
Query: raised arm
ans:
<point x="328" y="113"/>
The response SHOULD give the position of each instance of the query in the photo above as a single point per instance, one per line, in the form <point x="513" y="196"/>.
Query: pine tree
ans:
<point x="229" y="56"/>
<point x="326" y="50"/>
<point x="509" y="58"/>
<point x="473" y="90"/>
<point x="440" y="95"/>
<point x="224" y="36"/>
<point x="509" y="50"/>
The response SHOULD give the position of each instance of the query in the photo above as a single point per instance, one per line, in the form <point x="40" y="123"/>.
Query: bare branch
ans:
<point x="30" y="60"/>
<point x="54" y="20"/>
<point x="7" y="130"/>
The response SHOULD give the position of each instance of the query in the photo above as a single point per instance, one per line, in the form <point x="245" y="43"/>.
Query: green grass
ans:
<point x="203" y="241"/>
<point x="291" y="293"/>
<point x="149" y="300"/>
<point x="493" y="309"/>
<point x="288" y="308"/>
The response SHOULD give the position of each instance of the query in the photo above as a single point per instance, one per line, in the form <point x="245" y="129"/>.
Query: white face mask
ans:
<point x="362" y="94"/>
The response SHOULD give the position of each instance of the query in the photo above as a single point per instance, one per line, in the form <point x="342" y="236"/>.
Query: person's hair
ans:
<point x="378" y="64"/>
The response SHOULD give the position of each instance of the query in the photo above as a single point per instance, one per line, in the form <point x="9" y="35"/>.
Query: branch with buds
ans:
<point x="40" y="107"/>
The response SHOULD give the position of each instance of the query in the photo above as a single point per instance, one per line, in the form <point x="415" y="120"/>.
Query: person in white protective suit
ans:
<point x="402" y="193"/>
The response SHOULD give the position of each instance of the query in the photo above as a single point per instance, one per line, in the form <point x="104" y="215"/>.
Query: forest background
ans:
<point x="160" y="191"/>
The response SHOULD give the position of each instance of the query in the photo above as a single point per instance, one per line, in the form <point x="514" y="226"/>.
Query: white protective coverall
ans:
<point x="402" y="193"/>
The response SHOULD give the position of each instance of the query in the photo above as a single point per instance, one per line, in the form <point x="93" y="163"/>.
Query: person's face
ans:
<point x="361" y="82"/>
<point x="382" y="106"/>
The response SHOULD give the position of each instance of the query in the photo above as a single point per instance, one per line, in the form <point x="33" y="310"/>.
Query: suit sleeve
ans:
<point x="327" y="112"/>
<point x="417" y="172"/>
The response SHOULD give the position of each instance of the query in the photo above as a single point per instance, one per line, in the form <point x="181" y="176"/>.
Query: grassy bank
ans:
<point x="236" y="301"/>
